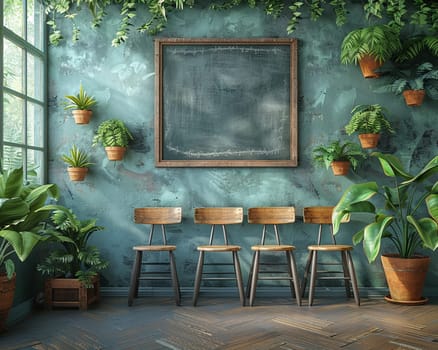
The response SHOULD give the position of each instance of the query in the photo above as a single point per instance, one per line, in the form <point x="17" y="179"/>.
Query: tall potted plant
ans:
<point x="401" y="217"/>
<point x="370" y="47"/>
<point x="74" y="265"/>
<point x="21" y="223"/>
<point x="81" y="106"/>
<point x="414" y="84"/>
<point x="78" y="162"/>
<point x="368" y="121"/>
<point x="114" y="136"/>
<point x="340" y="156"/>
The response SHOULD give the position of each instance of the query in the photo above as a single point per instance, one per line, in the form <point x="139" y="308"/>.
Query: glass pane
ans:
<point x="13" y="115"/>
<point x="35" y="125"/>
<point x="12" y="157"/>
<point x="35" y="73"/>
<point x="13" y="16"/>
<point x="35" y="22"/>
<point x="13" y="66"/>
<point x="35" y="167"/>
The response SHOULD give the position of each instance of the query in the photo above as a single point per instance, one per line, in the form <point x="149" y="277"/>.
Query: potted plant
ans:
<point x="368" y="121"/>
<point x="370" y="47"/>
<point x="78" y="162"/>
<point x="114" y="136"/>
<point x="73" y="268"/>
<point x="401" y="217"/>
<point x="80" y="104"/>
<point x="414" y="84"/>
<point x="339" y="156"/>
<point x="21" y="224"/>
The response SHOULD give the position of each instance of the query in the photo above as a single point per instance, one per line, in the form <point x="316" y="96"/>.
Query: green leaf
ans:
<point x="373" y="236"/>
<point x="391" y="165"/>
<point x="432" y="206"/>
<point x="428" y="231"/>
<point x="10" y="268"/>
<point x="22" y="242"/>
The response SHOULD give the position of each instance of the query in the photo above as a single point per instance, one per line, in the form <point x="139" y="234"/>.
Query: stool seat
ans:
<point x="273" y="247"/>
<point x="330" y="247"/>
<point x="218" y="248"/>
<point x="155" y="248"/>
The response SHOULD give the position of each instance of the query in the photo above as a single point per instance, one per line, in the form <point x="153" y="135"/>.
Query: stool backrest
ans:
<point x="158" y="215"/>
<point x="218" y="215"/>
<point x="271" y="215"/>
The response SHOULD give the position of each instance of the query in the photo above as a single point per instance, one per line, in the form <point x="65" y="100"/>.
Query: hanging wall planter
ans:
<point x="78" y="162"/>
<point x="114" y="136"/>
<point x="77" y="173"/>
<point x="115" y="152"/>
<point x="80" y="104"/>
<point x="368" y="65"/>
<point x="414" y="98"/>
<point x="82" y="116"/>
<point x="340" y="168"/>
<point x="369" y="140"/>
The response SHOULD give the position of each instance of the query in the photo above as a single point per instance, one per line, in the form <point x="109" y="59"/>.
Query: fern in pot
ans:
<point x="114" y="136"/>
<point x="368" y="121"/>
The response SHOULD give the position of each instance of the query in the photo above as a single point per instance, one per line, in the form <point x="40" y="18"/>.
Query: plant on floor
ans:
<point x="347" y="153"/>
<point x="401" y="216"/>
<point x="370" y="47"/>
<point x="366" y="120"/>
<point x="75" y="258"/>
<point x="81" y="105"/>
<point x="420" y="81"/>
<point x="113" y="135"/>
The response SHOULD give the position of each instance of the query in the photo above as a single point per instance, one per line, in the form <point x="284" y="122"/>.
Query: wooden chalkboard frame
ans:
<point x="160" y="117"/>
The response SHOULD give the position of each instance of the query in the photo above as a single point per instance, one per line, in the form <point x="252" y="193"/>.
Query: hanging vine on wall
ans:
<point x="398" y="12"/>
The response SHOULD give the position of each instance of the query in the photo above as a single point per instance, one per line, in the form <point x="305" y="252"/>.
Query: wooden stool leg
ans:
<point x="239" y="278"/>
<point x="313" y="273"/>
<point x="306" y="274"/>
<point x="255" y="273"/>
<point x="248" y="285"/>
<point x="198" y="277"/>
<point x="353" y="278"/>
<point x="133" y="286"/>
<point x="347" y="276"/>
<point x="175" y="282"/>
<point x="294" y="275"/>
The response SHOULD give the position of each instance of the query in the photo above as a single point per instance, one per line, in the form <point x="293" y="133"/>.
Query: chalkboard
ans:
<point x="226" y="102"/>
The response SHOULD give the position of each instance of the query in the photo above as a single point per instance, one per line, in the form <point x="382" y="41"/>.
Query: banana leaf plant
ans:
<point x="407" y="213"/>
<point x="21" y="222"/>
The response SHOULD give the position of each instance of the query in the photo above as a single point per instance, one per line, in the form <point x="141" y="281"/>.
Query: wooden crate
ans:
<point x="69" y="292"/>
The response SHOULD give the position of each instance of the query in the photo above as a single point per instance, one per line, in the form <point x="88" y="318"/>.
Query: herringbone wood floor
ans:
<point x="220" y="323"/>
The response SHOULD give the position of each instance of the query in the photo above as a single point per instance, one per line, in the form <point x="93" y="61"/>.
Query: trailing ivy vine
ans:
<point x="398" y="12"/>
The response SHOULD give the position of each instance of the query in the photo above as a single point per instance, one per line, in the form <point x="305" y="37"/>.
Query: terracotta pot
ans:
<point x="369" y="140"/>
<point x="414" y="97"/>
<point x="7" y="290"/>
<point x="82" y="116"/>
<point x="340" y="167"/>
<point x="77" y="174"/>
<point x="405" y="277"/>
<point x="115" y="153"/>
<point x="368" y="65"/>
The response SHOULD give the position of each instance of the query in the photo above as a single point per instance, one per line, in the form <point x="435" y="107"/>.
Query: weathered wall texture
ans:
<point x="122" y="79"/>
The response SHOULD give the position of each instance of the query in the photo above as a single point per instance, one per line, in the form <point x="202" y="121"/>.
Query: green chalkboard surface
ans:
<point x="226" y="102"/>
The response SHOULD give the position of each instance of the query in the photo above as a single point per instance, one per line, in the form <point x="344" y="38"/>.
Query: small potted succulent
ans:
<point x="339" y="156"/>
<point x="114" y="136"/>
<point x="78" y="162"/>
<point x="370" y="47"/>
<point x="80" y="104"/>
<point x="368" y="121"/>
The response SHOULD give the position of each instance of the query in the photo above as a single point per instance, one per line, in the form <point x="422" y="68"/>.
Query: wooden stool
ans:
<point x="323" y="216"/>
<point x="272" y="216"/>
<point x="223" y="217"/>
<point x="162" y="217"/>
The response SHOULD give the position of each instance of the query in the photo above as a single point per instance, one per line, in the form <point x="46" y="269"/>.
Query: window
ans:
<point x="23" y="107"/>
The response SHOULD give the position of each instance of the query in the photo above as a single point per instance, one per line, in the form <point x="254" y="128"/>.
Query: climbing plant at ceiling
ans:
<point x="397" y="12"/>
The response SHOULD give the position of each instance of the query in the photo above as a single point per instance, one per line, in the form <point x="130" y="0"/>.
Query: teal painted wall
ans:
<point x="122" y="79"/>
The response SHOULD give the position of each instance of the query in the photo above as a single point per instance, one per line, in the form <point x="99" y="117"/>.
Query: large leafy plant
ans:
<point x="368" y="119"/>
<point x="401" y="213"/>
<point x="75" y="258"/>
<point x="112" y="132"/>
<point x="21" y="218"/>
<point x="338" y="151"/>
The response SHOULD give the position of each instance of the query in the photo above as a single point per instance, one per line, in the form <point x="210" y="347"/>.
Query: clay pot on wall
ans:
<point x="77" y="174"/>
<point x="368" y="65"/>
<point x="115" y="153"/>
<point x="82" y="116"/>
<point x="414" y="97"/>
<point x="369" y="140"/>
<point x="340" y="168"/>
